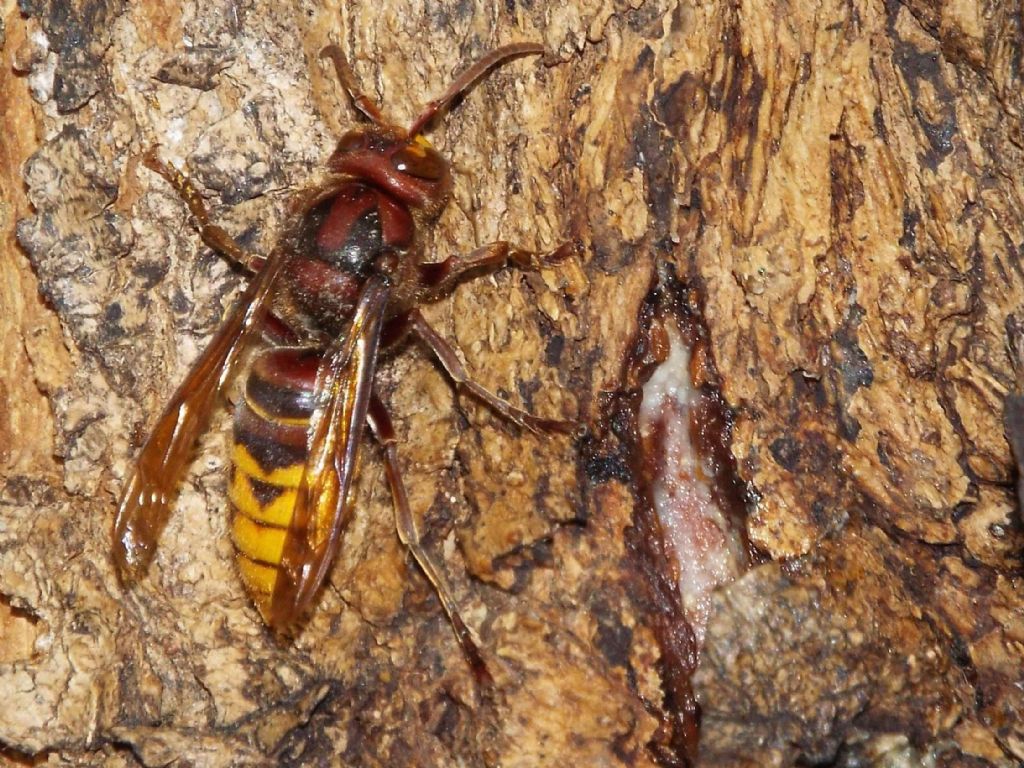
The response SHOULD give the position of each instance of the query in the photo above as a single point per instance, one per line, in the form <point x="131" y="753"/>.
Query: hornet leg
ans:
<point x="409" y="535"/>
<point x="457" y="371"/>
<point x="214" y="236"/>
<point x="441" y="277"/>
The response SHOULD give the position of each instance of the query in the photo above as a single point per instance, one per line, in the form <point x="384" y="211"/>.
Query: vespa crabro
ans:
<point x="341" y="287"/>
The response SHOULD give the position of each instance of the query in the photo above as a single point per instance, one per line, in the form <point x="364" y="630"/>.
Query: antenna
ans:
<point x="347" y="78"/>
<point x="466" y="79"/>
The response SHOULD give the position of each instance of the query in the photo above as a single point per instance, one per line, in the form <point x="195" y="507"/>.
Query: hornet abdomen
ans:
<point x="268" y="458"/>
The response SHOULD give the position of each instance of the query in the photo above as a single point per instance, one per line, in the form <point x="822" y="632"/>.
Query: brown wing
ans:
<point x="145" y="502"/>
<point x="323" y="503"/>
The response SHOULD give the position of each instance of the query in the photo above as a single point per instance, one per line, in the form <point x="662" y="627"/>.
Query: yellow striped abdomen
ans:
<point x="268" y="458"/>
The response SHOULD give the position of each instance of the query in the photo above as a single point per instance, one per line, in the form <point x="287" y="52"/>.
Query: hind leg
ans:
<point x="409" y="535"/>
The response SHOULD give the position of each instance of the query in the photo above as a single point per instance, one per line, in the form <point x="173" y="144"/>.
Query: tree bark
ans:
<point x="839" y="186"/>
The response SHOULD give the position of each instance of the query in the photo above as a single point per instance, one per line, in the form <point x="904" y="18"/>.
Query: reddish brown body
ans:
<point x="364" y="223"/>
<point x="344" y="282"/>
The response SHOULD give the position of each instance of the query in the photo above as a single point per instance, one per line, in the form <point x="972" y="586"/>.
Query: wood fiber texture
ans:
<point x="841" y="182"/>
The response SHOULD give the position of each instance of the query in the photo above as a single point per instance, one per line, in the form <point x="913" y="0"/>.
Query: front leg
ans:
<point x="214" y="236"/>
<point x="275" y="328"/>
<point x="440" y="278"/>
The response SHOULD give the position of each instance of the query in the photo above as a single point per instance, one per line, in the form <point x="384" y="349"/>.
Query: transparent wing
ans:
<point x="324" y="502"/>
<point x="145" y="502"/>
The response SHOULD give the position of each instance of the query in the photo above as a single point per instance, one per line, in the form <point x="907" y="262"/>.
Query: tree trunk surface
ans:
<point x="837" y="189"/>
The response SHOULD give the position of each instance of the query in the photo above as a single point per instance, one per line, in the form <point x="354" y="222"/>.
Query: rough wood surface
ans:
<point x="842" y="182"/>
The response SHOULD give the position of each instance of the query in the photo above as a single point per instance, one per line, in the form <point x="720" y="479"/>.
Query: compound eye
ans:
<point x="351" y="141"/>
<point x="419" y="161"/>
